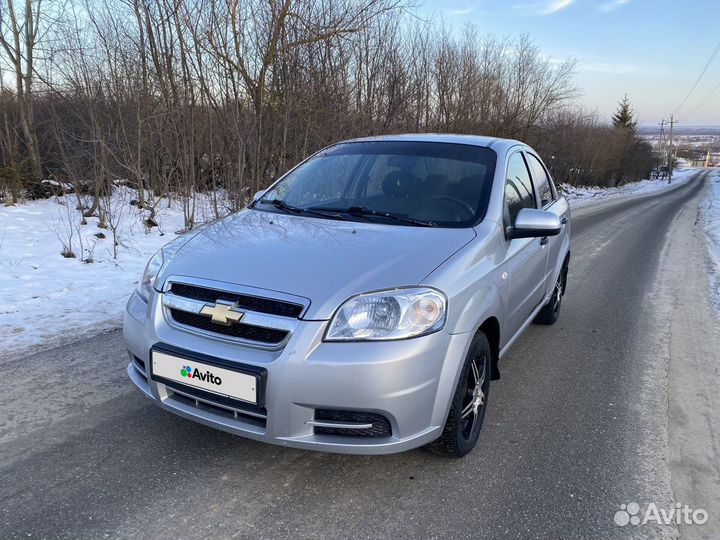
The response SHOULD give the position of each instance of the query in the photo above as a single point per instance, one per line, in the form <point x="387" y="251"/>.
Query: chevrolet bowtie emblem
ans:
<point x="222" y="313"/>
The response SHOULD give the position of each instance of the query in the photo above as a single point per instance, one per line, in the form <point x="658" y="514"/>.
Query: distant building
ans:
<point x="709" y="160"/>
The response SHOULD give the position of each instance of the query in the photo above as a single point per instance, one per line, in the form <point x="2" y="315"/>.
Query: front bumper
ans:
<point x="410" y="382"/>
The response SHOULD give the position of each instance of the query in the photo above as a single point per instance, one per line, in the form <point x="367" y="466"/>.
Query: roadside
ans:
<point x="686" y="334"/>
<point x="694" y="373"/>
<point x="580" y="197"/>
<point x="710" y="221"/>
<point x="679" y="335"/>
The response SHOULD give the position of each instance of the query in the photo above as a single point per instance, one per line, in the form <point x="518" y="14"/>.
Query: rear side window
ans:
<point x="542" y="180"/>
<point x="519" y="192"/>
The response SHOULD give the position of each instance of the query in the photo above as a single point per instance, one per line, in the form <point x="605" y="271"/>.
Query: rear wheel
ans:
<point x="469" y="403"/>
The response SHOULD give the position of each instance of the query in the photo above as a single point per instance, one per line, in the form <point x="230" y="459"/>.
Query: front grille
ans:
<point x="238" y="330"/>
<point x="380" y="424"/>
<point x="212" y="398"/>
<point x="218" y="409"/>
<point x="243" y="301"/>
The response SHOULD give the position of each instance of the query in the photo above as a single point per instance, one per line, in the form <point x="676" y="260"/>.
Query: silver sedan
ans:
<point x="361" y="303"/>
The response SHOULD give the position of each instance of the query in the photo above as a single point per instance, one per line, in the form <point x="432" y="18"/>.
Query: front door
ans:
<point x="526" y="258"/>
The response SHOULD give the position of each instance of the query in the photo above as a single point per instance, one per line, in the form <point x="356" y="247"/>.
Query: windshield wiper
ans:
<point x="368" y="213"/>
<point x="290" y="209"/>
<point x="335" y="213"/>
<point x="282" y="205"/>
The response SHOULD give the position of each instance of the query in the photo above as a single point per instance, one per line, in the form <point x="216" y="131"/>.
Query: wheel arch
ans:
<point x="564" y="268"/>
<point x="491" y="328"/>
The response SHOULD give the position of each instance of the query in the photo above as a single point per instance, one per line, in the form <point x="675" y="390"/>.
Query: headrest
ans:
<point x="399" y="184"/>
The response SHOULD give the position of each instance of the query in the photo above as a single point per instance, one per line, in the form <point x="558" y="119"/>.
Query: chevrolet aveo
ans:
<point x="362" y="303"/>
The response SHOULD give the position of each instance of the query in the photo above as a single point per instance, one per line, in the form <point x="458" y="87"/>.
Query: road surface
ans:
<point x="612" y="405"/>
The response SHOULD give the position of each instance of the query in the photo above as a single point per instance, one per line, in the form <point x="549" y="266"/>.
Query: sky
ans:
<point x="652" y="50"/>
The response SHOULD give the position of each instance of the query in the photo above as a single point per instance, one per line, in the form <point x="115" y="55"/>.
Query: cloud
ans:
<point x="460" y="11"/>
<point x="466" y="9"/>
<point x="547" y="7"/>
<point x="609" y="68"/>
<point x="612" y="5"/>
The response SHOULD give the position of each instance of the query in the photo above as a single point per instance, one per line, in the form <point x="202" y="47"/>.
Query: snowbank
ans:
<point x="579" y="197"/>
<point x="710" y="220"/>
<point x="46" y="299"/>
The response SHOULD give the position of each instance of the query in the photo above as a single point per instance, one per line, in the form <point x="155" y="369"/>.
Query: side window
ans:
<point x="542" y="181"/>
<point x="519" y="192"/>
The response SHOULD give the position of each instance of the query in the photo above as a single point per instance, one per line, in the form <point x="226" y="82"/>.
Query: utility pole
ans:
<point x="671" y="156"/>
<point x="662" y="144"/>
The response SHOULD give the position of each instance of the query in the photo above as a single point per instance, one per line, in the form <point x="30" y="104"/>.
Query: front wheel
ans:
<point x="469" y="403"/>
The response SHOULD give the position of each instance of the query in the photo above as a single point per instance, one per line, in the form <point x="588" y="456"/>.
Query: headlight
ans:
<point x="154" y="265"/>
<point x="392" y="314"/>
<point x="158" y="261"/>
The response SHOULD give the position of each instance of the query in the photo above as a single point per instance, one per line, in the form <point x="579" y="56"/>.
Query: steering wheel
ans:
<point x="458" y="203"/>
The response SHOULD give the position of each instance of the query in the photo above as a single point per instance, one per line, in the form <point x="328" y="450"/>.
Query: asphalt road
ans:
<point x="577" y="426"/>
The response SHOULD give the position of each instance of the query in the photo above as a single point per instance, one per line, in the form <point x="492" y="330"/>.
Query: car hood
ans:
<point x="326" y="261"/>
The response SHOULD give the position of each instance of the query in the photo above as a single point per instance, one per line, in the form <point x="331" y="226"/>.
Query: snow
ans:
<point x="710" y="220"/>
<point x="584" y="196"/>
<point x="46" y="299"/>
<point x="55" y="183"/>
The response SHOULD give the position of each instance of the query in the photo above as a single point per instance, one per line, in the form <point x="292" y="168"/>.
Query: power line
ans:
<point x="702" y="73"/>
<point x="704" y="101"/>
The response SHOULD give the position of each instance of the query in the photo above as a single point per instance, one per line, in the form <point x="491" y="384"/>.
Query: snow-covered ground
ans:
<point x="46" y="299"/>
<point x="585" y="196"/>
<point x="710" y="220"/>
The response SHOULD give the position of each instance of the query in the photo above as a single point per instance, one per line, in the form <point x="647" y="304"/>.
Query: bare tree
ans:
<point x="19" y="31"/>
<point x="175" y="98"/>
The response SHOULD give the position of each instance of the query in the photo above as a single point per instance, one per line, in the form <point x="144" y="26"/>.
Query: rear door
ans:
<point x="526" y="258"/>
<point x="549" y="200"/>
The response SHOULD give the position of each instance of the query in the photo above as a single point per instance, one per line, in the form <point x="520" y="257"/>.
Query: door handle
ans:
<point x="563" y="221"/>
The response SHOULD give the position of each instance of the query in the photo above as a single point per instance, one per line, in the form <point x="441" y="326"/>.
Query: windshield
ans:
<point x="397" y="182"/>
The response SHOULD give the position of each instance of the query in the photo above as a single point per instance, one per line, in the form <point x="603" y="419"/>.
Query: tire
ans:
<point x="550" y="312"/>
<point x="467" y="411"/>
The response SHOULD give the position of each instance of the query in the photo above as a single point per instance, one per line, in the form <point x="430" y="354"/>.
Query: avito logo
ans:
<point x="208" y="376"/>
<point x="186" y="371"/>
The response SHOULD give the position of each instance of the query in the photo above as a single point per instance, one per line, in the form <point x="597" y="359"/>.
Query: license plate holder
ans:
<point x="226" y="379"/>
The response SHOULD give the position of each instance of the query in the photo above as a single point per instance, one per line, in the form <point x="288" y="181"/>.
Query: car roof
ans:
<point x="475" y="140"/>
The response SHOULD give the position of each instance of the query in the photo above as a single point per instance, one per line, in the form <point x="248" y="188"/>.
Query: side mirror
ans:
<point x="259" y="194"/>
<point x="533" y="223"/>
